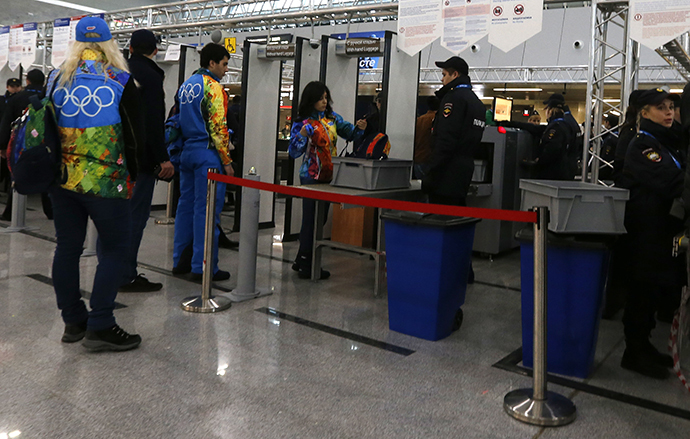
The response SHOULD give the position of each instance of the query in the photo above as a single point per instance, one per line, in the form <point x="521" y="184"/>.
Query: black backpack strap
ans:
<point x="35" y="102"/>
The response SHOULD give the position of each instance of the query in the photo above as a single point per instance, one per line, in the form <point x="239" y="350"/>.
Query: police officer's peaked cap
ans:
<point x="554" y="100"/>
<point x="456" y="63"/>
<point x="652" y="96"/>
<point x="675" y="97"/>
<point x="14" y="82"/>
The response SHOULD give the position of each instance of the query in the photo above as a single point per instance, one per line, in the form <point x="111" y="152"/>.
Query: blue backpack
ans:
<point x="34" y="151"/>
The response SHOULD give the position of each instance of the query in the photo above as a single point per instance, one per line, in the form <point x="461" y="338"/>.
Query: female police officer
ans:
<point x="653" y="173"/>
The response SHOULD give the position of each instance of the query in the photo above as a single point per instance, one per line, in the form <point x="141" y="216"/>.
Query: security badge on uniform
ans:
<point x="447" y="109"/>
<point x="652" y="155"/>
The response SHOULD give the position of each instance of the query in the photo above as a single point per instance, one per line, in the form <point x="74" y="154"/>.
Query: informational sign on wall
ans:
<point x="461" y="23"/>
<point x="514" y="21"/>
<point x="61" y="29"/>
<point x="15" y="55"/>
<point x="419" y="24"/>
<point x="173" y="52"/>
<point x="4" y="45"/>
<point x="656" y="22"/>
<point x="29" y="34"/>
<point x="464" y="23"/>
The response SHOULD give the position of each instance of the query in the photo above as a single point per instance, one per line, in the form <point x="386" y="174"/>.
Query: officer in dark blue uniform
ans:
<point x="456" y="136"/>
<point x="653" y="173"/>
<point x="551" y="158"/>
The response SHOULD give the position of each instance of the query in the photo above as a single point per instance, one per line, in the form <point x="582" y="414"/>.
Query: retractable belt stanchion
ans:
<point x="538" y="406"/>
<point x="249" y="235"/>
<point x="168" y="207"/>
<point x="18" y="219"/>
<point x="91" y="240"/>
<point x="207" y="303"/>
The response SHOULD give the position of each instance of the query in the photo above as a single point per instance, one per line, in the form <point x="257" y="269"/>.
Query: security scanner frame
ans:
<point x="307" y="68"/>
<point x="340" y="65"/>
<point x="261" y="78"/>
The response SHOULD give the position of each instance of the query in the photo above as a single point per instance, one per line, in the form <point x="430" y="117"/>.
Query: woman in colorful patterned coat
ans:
<point x="96" y="105"/>
<point x="314" y="134"/>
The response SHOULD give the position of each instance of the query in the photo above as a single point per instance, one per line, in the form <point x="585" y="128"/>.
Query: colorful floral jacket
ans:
<point x="203" y="108"/>
<point x="317" y="164"/>
<point x="98" y="146"/>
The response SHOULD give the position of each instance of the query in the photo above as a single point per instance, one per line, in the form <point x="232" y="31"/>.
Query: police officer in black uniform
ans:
<point x="551" y="158"/>
<point x="456" y="136"/>
<point x="654" y="175"/>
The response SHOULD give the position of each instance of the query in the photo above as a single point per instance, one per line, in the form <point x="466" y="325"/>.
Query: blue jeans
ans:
<point x="112" y="219"/>
<point x="190" y="220"/>
<point x="140" y="209"/>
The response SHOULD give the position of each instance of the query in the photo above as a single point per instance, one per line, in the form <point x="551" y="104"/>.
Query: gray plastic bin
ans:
<point x="577" y="207"/>
<point x="371" y="175"/>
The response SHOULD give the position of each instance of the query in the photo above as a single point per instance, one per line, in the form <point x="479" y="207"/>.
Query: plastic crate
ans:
<point x="371" y="175"/>
<point x="577" y="207"/>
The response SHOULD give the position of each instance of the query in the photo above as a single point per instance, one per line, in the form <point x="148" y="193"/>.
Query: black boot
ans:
<point x="639" y="358"/>
<point x="303" y="264"/>
<point x="184" y="265"/>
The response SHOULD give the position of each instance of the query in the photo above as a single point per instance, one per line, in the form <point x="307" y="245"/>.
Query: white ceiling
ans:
<point x="24" y="11"/>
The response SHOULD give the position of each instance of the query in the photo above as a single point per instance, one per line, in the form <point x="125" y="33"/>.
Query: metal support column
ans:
<point x="610" y="63"/>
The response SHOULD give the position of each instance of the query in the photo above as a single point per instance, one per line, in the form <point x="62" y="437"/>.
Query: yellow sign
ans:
<point x="230" y="45"/>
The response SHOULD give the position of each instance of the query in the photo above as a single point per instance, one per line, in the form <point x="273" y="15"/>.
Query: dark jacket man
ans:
<point x="457" y="134"/>
<point x="149" y="80"/>
<point x="152" y="158"/>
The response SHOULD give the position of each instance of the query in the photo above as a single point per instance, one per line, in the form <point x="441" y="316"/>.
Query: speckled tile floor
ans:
<point x="247" y="374"/>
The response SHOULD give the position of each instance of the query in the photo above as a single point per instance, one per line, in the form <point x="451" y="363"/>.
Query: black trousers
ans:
<point x="306" y="233"/>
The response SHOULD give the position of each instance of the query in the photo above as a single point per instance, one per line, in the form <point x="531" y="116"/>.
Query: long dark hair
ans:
<point x="312" y="94"/>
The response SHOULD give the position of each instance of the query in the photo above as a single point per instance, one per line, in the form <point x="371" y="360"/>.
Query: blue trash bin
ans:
<point x="577" y="266"/>
<point x="428" y="260"/>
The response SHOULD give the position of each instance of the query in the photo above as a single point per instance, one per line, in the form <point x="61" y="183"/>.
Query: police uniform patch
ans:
<point x="652" y="155"/>
<point x="447" y="109"/>
<point x="552" y="133"/>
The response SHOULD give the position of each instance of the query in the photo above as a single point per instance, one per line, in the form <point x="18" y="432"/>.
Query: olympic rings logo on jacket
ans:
<point x="189" y="92"/>
<point x="90" y="103"/>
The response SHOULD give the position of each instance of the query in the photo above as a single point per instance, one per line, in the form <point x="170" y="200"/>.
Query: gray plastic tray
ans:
<point x="577" y="207"/>
<point x="371" y="175"/>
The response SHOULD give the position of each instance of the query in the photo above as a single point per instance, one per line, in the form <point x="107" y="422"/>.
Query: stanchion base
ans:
<point x="165" y="221"/>
<point x="213" y="304"/>
<point x="236" y="296"/>
<point x="554" y="411"/>
<point x="17" y="229"/>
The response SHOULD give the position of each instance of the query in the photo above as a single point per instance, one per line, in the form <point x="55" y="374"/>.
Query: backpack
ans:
<point x="34" y="153"/>
<point x="375" y="146"/>
<point x="173" y="139"/>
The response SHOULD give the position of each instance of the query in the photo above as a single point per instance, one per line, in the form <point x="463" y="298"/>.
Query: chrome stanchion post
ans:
<point x="206" y="303"/>
<point x="249" y="235"/>
<point x="168" y="207"/>
<point x="91" y="240"/>
<point x="18" y="215"/>
<point x="538" y="406"/>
